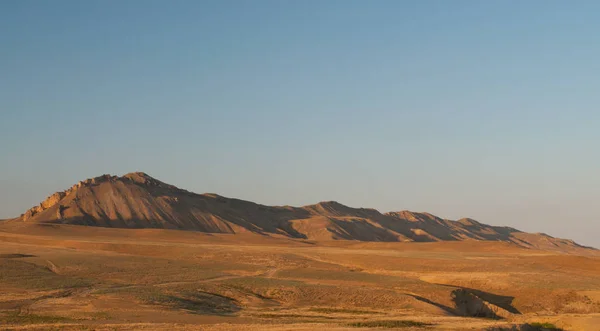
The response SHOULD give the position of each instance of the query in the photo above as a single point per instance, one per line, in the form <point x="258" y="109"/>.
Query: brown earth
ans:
<point x="93" y="278"/>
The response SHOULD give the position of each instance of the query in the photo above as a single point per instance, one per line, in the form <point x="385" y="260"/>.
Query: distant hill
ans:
<point x="137" y="200"/>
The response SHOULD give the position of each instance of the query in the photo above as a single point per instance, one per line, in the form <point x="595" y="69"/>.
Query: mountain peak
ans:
<point x="137" y="174"/>
<point x="330" y="207"/>
<point x="142" y="178"/>
<point x="468" y="221"/>
<point x="330" y="204"/>
<point x="139" y="177"/>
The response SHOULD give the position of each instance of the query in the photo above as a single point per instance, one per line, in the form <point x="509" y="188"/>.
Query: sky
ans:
<point x="481" y="109"/>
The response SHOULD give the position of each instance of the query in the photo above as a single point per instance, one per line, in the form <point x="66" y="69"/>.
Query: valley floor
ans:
<point x="74" y="278"/>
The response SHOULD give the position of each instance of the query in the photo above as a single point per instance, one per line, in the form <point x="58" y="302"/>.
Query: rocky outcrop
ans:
<point x="55" y="198"/>
<point x="525" y="327"/>
<point x="49" y="202"/>
<point x="470" y="304"/>
<point x="52" y="200"/>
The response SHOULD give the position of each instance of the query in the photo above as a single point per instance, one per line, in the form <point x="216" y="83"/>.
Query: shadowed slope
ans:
<point x="462" y="229"/>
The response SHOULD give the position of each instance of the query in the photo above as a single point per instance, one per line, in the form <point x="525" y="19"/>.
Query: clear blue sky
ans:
<point x="482" y="109"/>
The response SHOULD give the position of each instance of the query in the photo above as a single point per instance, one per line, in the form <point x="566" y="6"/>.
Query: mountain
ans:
<point x="137" y="200"/>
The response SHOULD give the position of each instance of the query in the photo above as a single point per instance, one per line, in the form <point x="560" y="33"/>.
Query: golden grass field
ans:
<point x="66" y="277"/>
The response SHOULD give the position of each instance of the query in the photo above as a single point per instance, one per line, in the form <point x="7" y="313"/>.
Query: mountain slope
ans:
<point x="137" y="200"/>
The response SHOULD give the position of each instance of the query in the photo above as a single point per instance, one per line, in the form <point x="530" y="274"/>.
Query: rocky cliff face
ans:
<point x="55" y="198"/>
<point x="136" y="200"/>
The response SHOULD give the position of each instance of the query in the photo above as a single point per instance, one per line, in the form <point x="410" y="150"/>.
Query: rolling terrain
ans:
<point x="69" y="277"/>
<point x="110" y="254"/>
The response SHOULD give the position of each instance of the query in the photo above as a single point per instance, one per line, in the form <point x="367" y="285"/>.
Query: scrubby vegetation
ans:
<point x="271" y="316"/>
<point x="388" y="324"/>
<point x="16" y="318"/>
<point x="343" y="311"/>
<point x="32" y="276"/>
<point x="545" y="326"/>
<point x="535" y="326"/>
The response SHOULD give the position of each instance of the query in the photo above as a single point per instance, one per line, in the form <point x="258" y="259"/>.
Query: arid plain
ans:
<point x="56" y="275"/>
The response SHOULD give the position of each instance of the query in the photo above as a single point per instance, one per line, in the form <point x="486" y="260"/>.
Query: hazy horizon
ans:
<point x="460" y="109"/>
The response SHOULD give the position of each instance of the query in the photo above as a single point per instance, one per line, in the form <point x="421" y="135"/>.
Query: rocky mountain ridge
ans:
<point x="136" y="200"/>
